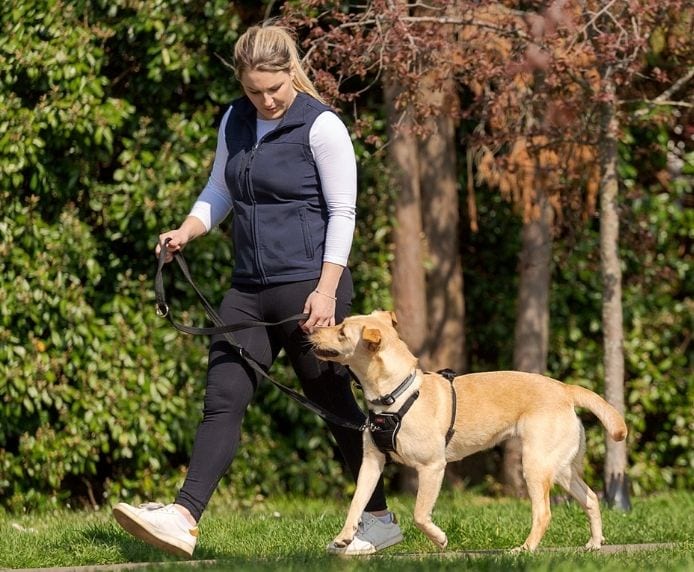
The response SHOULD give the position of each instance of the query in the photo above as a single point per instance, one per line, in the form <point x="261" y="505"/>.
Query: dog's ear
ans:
<point x="372" y="337"/>
<point x="386" y="315"/>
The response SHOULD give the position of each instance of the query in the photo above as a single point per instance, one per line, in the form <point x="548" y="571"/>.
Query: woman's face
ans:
<point x="270" y="92"/>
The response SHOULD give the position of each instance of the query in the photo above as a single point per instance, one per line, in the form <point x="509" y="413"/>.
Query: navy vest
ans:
<point x="280" y="214"/>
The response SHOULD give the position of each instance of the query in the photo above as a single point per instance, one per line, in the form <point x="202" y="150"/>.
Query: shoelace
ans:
<point x="151" y="505"/>
<point x="169" y="509"/>
<point x="366" y="522"/>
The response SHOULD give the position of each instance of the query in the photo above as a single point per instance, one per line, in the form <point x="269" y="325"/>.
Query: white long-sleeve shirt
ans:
<point x="334" y="156"/>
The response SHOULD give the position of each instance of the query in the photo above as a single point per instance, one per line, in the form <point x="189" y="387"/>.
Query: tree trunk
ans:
<point x="407" y="271"/>
<point x="616" y="482"/>
<point x="531" y="338"/>
<point x="441" y="216"/>
<point x="409" y="285"/>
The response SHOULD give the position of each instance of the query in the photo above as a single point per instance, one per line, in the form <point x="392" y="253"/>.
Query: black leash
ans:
<point x="227" y="329"/>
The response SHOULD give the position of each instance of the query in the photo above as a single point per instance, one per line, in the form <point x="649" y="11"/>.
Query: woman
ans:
<point x="285" y="167"/>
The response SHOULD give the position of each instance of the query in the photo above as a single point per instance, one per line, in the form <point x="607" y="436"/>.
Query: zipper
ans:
<point x="249" y="190"/>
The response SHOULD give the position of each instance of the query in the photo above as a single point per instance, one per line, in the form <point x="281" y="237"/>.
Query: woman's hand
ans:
<point x="178" y="239"/>
<point x="320" y="309"/>
<point x="191" y="228"/>
<point x="320" y="304"/>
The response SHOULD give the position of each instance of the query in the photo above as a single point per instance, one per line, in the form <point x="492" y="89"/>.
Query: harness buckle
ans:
<point x="162" y="309"/>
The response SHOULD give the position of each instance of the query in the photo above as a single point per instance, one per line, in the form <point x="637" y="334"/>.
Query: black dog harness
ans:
<point x="384" y="426"/>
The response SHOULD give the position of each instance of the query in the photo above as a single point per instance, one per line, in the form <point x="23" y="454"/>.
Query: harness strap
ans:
<point x="450" y="375"/>
<point x="226" y="329"/>
<point x="384" y="426"/>
<point x="454" y="404"/>
<point x="390" y="398"/>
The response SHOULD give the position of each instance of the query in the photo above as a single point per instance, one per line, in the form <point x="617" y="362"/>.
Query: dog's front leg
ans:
<point x="372" y="465"/>
<point x="430" y="479"/>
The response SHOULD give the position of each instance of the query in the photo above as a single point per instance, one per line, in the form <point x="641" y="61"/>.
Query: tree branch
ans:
<point x="675" y="86"/>
<point x="663" y="98"/>
<point x="445" y="20"/>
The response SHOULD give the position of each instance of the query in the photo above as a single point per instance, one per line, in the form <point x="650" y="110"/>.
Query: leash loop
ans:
<point x="226" y="330"/>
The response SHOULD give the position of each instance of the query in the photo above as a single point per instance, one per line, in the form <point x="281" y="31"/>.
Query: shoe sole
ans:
<point x="139" y="528"/>
<point x="365" y="552"/>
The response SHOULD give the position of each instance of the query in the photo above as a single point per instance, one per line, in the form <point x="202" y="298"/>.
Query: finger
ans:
<point x="308" y="328"/>
<point x="308" y="323"/>
<point x="160" y="244"/>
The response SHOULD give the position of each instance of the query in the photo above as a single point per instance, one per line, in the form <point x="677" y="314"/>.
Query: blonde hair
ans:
<point x="271" y="48"/>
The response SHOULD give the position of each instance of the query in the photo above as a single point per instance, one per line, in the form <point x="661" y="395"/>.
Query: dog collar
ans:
<point x="390" y="398"/>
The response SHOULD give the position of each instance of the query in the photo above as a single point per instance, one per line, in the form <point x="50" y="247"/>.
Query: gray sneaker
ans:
<point x="372" y="536"/>
<point x="161" y="526"/>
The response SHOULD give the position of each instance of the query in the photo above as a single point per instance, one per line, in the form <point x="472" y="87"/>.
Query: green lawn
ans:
<point x="291" y="534"/>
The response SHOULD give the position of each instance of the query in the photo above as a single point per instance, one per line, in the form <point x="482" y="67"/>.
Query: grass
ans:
<point x="291" y="534"/>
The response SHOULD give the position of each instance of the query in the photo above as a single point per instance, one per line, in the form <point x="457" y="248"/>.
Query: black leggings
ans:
<point x="231" y="384"/>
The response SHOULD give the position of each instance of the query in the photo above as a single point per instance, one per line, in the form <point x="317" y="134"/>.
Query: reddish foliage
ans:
<point x="534" y="75"/>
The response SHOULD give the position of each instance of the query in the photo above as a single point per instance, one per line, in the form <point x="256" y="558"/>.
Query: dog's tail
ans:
<point x="608" y="415"/>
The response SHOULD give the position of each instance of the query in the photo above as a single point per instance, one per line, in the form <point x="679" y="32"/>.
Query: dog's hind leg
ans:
<point x="571" y="480"/>
<point x="430" y="479"/>
<point x="539" y="481"/>
<point x="369" y="473"/>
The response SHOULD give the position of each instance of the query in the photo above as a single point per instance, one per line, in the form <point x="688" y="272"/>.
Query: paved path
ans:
<point x="606" y="549"/>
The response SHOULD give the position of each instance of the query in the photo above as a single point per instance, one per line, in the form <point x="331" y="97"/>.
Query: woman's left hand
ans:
<point x="321" y="311"/>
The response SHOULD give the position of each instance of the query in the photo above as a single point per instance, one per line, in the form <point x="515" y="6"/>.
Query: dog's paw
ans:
<point x="339" y="546"/>
<point x="442" y="544"/>
<point x="593" y="545"/>
<point x="522" y="548"/>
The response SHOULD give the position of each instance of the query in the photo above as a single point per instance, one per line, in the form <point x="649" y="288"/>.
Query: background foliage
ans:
<point x="107" y="135"/>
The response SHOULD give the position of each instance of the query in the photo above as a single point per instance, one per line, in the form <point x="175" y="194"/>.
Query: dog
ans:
<point x="429" y="421"/>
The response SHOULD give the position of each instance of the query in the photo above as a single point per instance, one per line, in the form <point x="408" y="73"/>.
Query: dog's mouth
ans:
<point x="326" y="353"/>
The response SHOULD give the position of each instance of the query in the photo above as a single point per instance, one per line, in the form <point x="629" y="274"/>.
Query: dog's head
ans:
<point x="369" y="345"/>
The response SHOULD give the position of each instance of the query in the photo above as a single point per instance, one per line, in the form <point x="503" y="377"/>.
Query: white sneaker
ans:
<point x="372" y="535"/>
<point x="158" y="525"/>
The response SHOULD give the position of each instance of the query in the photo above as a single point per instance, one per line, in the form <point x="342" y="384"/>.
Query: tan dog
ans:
<point x="490" y="407"/>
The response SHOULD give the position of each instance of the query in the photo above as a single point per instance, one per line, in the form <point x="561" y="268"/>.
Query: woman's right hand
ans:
<point x="178" y="239"/>
<point x="191" y="228"/>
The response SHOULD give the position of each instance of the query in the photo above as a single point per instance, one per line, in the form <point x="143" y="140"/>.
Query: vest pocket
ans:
<point x="306" y="231"/>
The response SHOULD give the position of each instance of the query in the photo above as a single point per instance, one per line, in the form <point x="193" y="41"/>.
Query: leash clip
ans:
<point x="162" y="309"/>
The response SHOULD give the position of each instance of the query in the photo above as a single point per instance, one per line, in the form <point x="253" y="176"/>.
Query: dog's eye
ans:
<point x="341" y="333"/>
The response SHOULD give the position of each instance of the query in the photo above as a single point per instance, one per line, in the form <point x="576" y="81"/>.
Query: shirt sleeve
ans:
<point x="214" y="204"/>
<point x="337" y="168"/>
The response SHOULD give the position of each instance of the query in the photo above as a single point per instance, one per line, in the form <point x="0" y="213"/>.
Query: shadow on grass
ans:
<point x="110" y="549"/>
